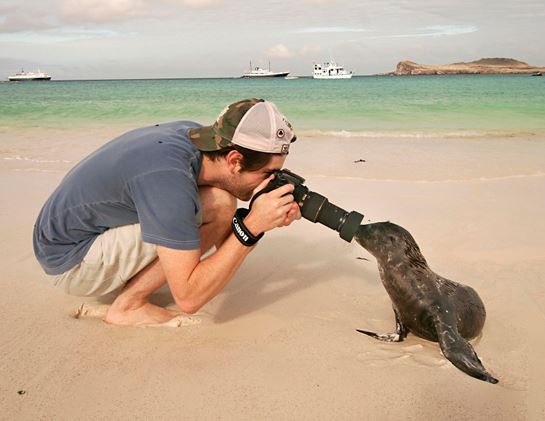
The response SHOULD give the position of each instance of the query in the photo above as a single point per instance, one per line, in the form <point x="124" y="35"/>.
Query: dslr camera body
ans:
<point x="314" y="206"/>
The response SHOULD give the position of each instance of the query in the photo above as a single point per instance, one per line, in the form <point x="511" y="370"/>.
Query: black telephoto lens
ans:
<point x="316" y="208"/>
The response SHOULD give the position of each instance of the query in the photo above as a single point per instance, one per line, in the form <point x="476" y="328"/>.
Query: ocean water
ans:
<point x="381" y="106"/>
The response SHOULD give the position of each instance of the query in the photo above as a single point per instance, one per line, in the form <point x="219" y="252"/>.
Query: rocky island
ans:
<point x="482" y="66"/>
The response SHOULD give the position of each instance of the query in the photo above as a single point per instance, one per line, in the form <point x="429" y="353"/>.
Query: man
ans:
<point x="144" y="208"/>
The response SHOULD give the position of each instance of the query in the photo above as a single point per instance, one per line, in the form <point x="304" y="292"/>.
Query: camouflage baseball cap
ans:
<point x="253" y="123"/>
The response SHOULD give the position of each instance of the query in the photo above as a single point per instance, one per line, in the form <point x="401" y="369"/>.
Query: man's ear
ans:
<point x="234" y="161"/>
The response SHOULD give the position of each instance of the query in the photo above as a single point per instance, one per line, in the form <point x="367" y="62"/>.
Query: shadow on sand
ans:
<point x="279" y="267"/>
<point x="284" y="266"/>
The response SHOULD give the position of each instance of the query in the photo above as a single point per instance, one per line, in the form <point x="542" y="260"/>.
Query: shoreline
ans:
<point x="86" y="127"/>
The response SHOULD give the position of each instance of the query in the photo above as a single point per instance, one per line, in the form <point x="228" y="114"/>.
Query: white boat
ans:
<point x="330" y="70"/>
<point x="23" y="76"/>
<point x="259" y="72"/>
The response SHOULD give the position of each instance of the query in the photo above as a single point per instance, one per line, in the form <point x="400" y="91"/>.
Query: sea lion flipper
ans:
<point x="385" y="337"/>
<point x="461" y="354"/>
<point x="398" y="336"/>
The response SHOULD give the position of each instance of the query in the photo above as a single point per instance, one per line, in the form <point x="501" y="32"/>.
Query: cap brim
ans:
<point x="204" y="138"/>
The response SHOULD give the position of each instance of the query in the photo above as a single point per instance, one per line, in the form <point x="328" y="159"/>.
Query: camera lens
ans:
<point x="316" y="208"/>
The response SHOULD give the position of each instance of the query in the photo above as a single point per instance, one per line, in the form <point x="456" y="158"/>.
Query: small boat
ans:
<point x="23" y="76"/>
<point x="537" y="74"/>
<point x="291" y="77"/>
<point x="259" y="72"/>
<point x="330" y="70"/>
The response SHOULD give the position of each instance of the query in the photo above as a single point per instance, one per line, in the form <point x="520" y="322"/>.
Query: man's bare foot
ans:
<point x="144" y="314"/>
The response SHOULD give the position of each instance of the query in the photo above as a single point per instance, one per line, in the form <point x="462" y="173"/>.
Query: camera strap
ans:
<point x="242" y="233"/>
<point x="255" y="196"/>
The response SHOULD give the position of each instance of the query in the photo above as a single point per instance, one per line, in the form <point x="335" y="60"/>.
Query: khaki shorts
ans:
<point x="114" y="258"/>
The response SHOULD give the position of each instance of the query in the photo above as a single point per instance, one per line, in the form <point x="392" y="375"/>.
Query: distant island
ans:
<point x="482" y="66"/>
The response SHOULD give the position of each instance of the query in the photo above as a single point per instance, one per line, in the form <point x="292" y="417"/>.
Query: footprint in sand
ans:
<point x="98" y="311"/>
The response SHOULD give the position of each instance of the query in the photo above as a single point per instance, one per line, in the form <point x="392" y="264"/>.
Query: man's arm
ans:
<point x="193" y="282"/>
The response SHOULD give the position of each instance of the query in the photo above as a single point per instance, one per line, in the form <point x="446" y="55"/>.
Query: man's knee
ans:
<point x="218" y="206"/>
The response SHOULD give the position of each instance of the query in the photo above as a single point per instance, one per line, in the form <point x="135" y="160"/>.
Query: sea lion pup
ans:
<point x="425" y="303"/>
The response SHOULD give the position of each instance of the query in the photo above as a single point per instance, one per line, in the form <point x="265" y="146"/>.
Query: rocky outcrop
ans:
<point x="482" y="66"/>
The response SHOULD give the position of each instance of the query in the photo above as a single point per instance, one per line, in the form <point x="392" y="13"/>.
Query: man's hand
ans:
<point x="273" y="209"/>
<point x="293" y="214"/>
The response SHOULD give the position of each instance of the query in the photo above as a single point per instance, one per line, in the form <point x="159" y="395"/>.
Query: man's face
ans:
<point x="244" y="182"/>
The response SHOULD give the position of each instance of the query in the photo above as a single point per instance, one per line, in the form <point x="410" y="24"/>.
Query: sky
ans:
<point x="111" y="39"/>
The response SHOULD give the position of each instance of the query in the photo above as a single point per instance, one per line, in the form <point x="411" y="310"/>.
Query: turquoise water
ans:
<point x="363" y="106"/>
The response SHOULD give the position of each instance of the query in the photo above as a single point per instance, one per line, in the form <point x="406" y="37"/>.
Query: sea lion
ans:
<point x="425" y="303"/>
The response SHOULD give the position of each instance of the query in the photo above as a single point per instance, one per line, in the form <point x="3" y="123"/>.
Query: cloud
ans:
<point x="58" y="35"/>
<point x="320" y="2"/>
<point x="33" y="16"/>
<point x="440" y="30"/>
<point x="279" y="51"/>
<point x="328" y="29"/>
<point x="198" y="4"/>
<point x="100" y="11"/>
<point x="432" y="31"/>
<point x="74" y="20"/>
<point x="310" y="51"/>
<point x="14" y="17"/>
<point x="17" y="23"/>
<point x="103" y="10"/>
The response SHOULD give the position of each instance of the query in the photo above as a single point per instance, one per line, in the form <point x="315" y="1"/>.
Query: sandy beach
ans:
<point x="279" y="343"/>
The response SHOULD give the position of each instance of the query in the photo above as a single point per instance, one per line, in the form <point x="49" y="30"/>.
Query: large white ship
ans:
<point x="259" y="72"/>
<point x="330" y="70"/>
<point x="23" y="76"/>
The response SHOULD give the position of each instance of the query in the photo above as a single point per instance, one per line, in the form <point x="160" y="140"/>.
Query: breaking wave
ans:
<point x="461" y="134"/>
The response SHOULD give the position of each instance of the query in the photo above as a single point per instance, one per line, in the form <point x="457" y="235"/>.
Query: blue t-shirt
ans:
<point x="147" y="176"/>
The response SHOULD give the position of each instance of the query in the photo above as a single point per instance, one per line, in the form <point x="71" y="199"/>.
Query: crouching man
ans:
<point x="142" y="210"/>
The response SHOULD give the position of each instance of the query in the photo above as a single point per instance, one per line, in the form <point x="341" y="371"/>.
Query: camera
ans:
<point x="314" y="206"/>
